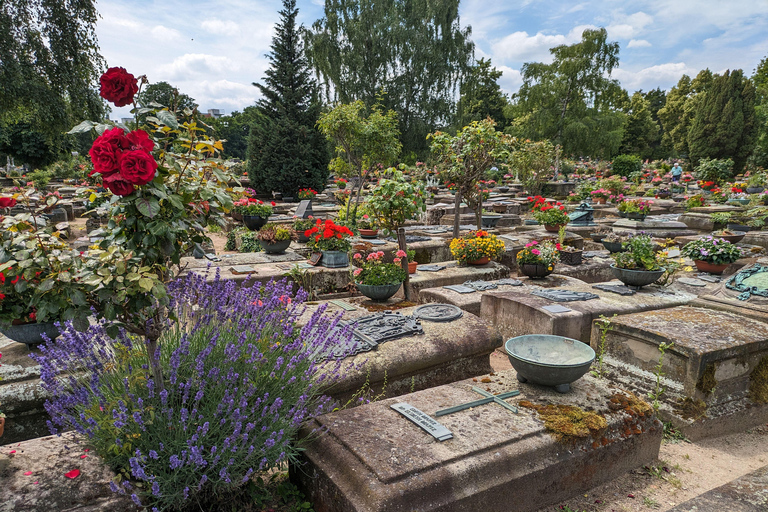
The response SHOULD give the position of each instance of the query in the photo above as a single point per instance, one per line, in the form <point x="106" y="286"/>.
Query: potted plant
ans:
<point x="477" y="248"/>
<point x="394" y="201"/>
<point x="341" y="183"/>
<point x="332" y="241"/>
<point x="306" y="194"/>
<point x="568" y="255"/>
<point x="255" y="213"/>
<point x="756" y="183"/>
<point x="636" y="209"/>
<point x="552" y="216"/>
<point x="500" y="208"/>
<point x="489" y="219"/>
<point x="375" y="279"/>
<point x="639" y="264"/>
<point x="537" y="260"/>
<point x="412" y="263"/>
<point x="274" y="238"/>
<point x="600" y="196"/>
<point x="695" y="201"/>
<point x="367" y="227"/>
<point x="728" y="235"/>
<point x="711" y="254"/>
<point x="614" y="243"/>
<point x="300" y="226"/>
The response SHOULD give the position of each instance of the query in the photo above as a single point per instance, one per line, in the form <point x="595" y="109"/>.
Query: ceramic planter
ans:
<point x="500" y="208"/>
<point x="276" y="247"/>
<point x="637" y="278"/>
<point x="553" y="228"/>
<point x="302" y="237"/>
<point x="597" y="237"/>
<point x="412" y="265"/>
<point x="571" y="258"/>
<point x="253" y="222"/>
<point x="734" y="238"/>
<point x="755" y="190"/>
<point x="613" y="246"/>
<point x="335" y="259"/>
<point x="369" y="233"/>
<point x="30" y="334"/>
<point x="482" y="261"/>
<point x="636" y="216"/>
<point x="710" y="268"/>
<point x="535" y="270"/>
<point x="378" y="292"/>
<point x="599" y="200"/>
<point x="490" y="221"/>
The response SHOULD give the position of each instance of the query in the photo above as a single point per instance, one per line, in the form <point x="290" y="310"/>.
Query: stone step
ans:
<point x="748" y="493"/>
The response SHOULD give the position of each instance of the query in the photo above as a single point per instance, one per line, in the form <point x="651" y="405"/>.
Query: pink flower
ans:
<point x="357" y="272"/>
<point x="357" y="256"/>
<point x="400" y="254"/>
<point x="535" y="252"/>
<point x="397" y="260"/>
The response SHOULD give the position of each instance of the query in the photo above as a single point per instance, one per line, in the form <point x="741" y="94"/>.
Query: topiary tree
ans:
<point x="625" y="165"/>
<point x="395" y="201"/>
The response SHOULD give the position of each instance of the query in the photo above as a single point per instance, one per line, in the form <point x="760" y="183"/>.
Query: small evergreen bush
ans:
<point x="625" y="165"/>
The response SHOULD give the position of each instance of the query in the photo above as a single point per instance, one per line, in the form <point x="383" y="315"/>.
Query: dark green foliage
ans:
<point x="481" y="96"/>
<point x="760" y="79"/>
<point x="234" y="129"/>
<point x="723" y="124"/>
<point x="49" y="62"/>
<point x="285" y="150"/>
<point x="572" y="101"/>
<point x="717" y="170"/>
<point x="416" y="52"/>
<point x="640" y="132"/>
<point x="167" y="95"/>
<point x="625" y="165"/>
<point x="657" y="98"/>
<point x="26" y="144"/>
<point x="677" y="114"/>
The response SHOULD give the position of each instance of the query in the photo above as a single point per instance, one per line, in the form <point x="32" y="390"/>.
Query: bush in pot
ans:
<point x="715" y="252"/>
<point x="300" y="226"/>
<point x="538" y="259"/>
<point x="394" y="201"/>
<point x="376" y="279"/>
<point x="639" y="264"/>
<point x="475" y="246"/>
<point x="275" y="238"/>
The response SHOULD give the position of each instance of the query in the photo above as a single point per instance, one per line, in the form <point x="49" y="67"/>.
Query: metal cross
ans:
<point x="489" y="398"/>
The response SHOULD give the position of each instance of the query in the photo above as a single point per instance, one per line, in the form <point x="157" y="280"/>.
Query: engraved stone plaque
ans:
<point x="614" y="288"/>
<point x="304" y="210"/>
<point x="424" y="421"/>
<point x="556" y="308"/>
<point x="431" y="268"/>
<point x="459" y="288"/>
<point x="438" y="312"/>
<point x="509" y="282"/>
<point x="381" y="327"/>
<point x="480" y="286"/>
<point x="564" y="295"/>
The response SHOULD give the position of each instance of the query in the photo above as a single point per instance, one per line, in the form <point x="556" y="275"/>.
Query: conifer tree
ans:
<point x="640" y="131"/>
<point x="285" y="150"/>
<point x="723" y="124"/>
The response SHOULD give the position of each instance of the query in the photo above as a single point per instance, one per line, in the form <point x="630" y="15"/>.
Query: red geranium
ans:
<point x="7" y="202"/>
<point x="118" y="86"/>
<point x="137" y="167"/>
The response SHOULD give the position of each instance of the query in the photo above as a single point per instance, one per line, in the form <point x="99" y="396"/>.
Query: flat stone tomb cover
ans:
<point x="431" y="268"/>
<point x="459" y="288"/>
<point x="481" y="286"/>
<point x="614" y="288"/>
<point x="563" y="295"/>
<point x="372" y="459"/>
<point x="438" y="312"/>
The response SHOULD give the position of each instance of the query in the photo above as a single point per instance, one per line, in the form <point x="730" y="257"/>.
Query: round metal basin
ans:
<point x="549" y="360"/>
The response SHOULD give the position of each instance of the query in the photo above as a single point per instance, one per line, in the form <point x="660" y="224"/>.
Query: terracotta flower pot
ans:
<point x="412" y="266"/>
<point x="553" y="229"/>
<point x="710" y="268"/>
<point x="369" y="233"/>
<point x="482" y="261"/>
<point x="600" y="200"/>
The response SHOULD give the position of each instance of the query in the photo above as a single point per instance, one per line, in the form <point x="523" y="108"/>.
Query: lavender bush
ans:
<point x="239" y="381"/>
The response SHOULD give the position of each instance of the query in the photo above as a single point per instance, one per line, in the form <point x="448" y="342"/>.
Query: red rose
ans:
<point x="118" y="86"/>
<point x="139" y="139"/>
<point x="118" y="185"/>
<point x="106" y="149"/>
<point x="7" y="202"/>
<point x="137" y="167"/>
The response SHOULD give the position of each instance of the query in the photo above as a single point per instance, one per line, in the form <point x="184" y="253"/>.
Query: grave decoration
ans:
<point x="582" y="216"/>
<point x="639" y="264"/>
<point x="438" y="312"/>
<point x="711" y="254"/>
<point x="376" y="279"/>
<point x="752" y="281"/>
<point x="551" y="215"/>
<point x="558" y="295"/>
<point x="481" y="286"/>
<point x="537" y="260"/>
<point x="614" y="288"/>
<point x="489" y="399"/>
<point x="477" y="248"/>
<point x="549" y="360"/>
<point x="423" y="420"/>
<point x="332" y="241"/>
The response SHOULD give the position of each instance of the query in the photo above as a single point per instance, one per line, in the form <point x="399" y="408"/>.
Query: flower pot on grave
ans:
<point x="490" y="221"/>
<point x="571" y="258"/>
<point x="302" y="237"/>
<point x="640" y="217"/>
<point x="276" y="247"/>
<point x="480" y="261"/>
<point x="503" y="190"/>
<point x="599" y="200"/>
<point x="597" y="237"/>
<point x="734" y="237"/>
<point x="535" y="270"/>
<point x="369" y="233"/>
<point x="710" y="268"/>
<point x="636" y="278"/>
<point x="412" y="265"/>
<point x="378" y="292"/>
<point x="613" y="246"/>
<point x="30" y="333"/>
<point x="500" y="208"/>
<point x="755" y="190"/>
<point x="335" y="259"/>
<point x="553" y="228"/>
<point x="253" y="222"/>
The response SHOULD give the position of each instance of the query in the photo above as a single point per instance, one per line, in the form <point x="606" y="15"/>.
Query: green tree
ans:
<point x="657" y="98"/>
<point x="481" y="96"/>
<point x="760" y="79"/>
<point x="415" y="51"/>
<point x="723" y="124"/>
<point x="49" y="57"/>
<point x="233" y="130"/>
<point x="164" y="93"/>
<point x="363" y="143"/>
<point x="677" y="113"/>
<point x="573" y="101"/>
<point x="286" y="152"/>
<point x="640" y="131"/>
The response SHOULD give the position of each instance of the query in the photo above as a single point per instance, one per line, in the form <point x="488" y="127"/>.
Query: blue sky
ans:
<point x="213" y="51"/>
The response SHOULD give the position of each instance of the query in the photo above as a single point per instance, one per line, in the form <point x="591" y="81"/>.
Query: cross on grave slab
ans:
<point x="489" y="398"/>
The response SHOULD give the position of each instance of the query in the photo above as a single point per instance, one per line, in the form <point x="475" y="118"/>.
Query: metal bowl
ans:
<point x="549" y="360"/>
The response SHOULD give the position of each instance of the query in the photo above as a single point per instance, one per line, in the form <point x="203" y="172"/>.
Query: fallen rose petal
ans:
<point x="87" y="449"/>
<point x="83" y="456"/>
<point x="27" y="473"/>
<point x="630" y="495"/>
<point x="12" y="451"/>
<point x="35" y="482"/>
<point x="73" y="474"/>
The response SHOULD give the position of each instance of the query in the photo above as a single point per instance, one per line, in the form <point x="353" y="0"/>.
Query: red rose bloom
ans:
<point x="7" y="202"/>
<point x="106" y="150"/>
<point x="118" y="86"/>
<point x="137" y="167"/>
<point x="118" y="185"/>
<point x="138" y="139"/>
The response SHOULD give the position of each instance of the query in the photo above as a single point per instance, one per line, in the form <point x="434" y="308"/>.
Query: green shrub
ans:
<point x="718" y="170"/>
<point x="625" y="165"/>
<point x="40" y="178"/>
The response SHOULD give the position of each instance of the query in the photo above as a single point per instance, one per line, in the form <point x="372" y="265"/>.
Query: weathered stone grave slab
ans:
<point x="752" y="281"/>
<point x="455" y="274"/>
<point x="717" y="367"/>
<point x="748" y="493"/>
<point x="591" y="270"/>
<point x="516" y="313"/>
<point x="655" y="228"/>
<point x="446" y="352"/>
<point x="373" y="459"/>
<point x="470" y="302"/>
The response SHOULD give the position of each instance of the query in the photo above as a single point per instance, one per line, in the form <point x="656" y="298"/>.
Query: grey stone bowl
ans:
<point x="30" y="334"/>
<point x="549" y="360"/>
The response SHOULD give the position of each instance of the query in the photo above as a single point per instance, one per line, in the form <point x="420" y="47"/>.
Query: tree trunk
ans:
<point x="404" y="262"/>
<point x="152" y="336"/>
<point x="456" y="213"/>
<point x="479" y="215"/>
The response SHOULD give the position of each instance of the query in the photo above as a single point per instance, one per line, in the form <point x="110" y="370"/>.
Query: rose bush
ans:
<point x="118" y="86"/>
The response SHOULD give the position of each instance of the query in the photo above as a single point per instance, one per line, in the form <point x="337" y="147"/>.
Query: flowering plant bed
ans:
<point x="712" y="250"/>
<point x="327" y="236"/>
<point x="549" y="214"/>
<point x="372" y="271"/>
<point x="640" y="206"/>
<point x="639" y="254"/>
<point x="600" y="193"/>
<point x="534" y="253"/>
<point x="476" y="245"/>
<point x="272" y="233"/>
<point x="307" y="193"/>
<point x="253" y="207"/>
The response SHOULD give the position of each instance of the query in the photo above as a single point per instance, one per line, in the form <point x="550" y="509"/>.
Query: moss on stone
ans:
<point x="691" y="409"/>
<point x="630" y="404"/>
<point x="707" y="381"/>
<point x="758" y="382"/>
<point x="568" y="423"/>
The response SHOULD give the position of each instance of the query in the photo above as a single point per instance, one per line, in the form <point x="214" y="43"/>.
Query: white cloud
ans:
<point x="510" y="80"/>
<point x="626" y="27"/>
<point x="165" y="34"/>
<point x="195" y="64"/>
<point x="662" y="75"/>
<point x="519" y="46"/>
<point x="638" y="43"/>
<point x="220" y="27"/>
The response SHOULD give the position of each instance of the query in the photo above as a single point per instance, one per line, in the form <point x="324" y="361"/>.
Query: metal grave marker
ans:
<point x="750" y="281"/>
<point x="709" y="278"/>
<point x="239" y="270"/>
<point x="431" y="268"/>
<point x="556" y="308"/>
<point x="692" y="281"/>
<point x="346" y="306"/>
<point x="489" y="398"/>
<point x="564" y="295"/>
<point x="381" y="327"/>
<point x="614" y="288"/>
<point x="459" y="288"/>
<point x="582" y="216"/>
<point x="480" y="286"/>
<point x="596" y="254"/>
<point x="438" y="312"/>
<point x="423" y="420"/>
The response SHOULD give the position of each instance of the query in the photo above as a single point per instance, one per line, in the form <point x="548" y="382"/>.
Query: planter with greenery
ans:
<point x="412" y="263"/>
<point x="477" y="247"/>
<point x="394" y="201"/>
<point x="300" y="226"/>
<point x="306" y="194"/>
<point x="639" y="264"/>
<point x="275" y="238"/>
<point x="375" y="279"/>
<point x="332" y="241"/>
<point x="254" y="212"/>
<point x="551" y="216"/>
<point x="537" y="260"/>
<point x="711" y="254"/>
<point x="367" y="226"/>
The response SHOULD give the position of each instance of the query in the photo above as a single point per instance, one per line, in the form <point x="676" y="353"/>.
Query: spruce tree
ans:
<point x="285" y="150"/>
<point x="723" y="123"/>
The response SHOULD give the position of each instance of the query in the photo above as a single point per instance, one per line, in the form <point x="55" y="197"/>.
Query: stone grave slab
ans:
<point x="446" y="352"/>
<point x="470" y="302"/>
<point x="716" y="374"/>
<point x="725" y="296"/>
<point x="519" y="312"/>
<point x="453" y="275"/>
<point x="372" y="459"/>
<point x="748" y="493"/>
<point x="655" y="228"/>
<point x="592" y="270"/>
